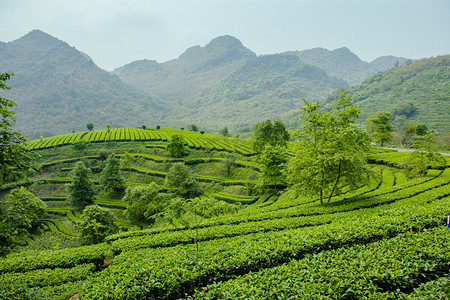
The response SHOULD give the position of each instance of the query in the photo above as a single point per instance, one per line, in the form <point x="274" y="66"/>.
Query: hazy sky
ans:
<point x="116" y="32"/>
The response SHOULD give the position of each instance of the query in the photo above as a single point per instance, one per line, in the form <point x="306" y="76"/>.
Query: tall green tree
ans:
<point x="411" y="131"/>
<point x="424" y="156"/>
<point x="267" y="133"/>
<point x="21" y="212"/>
<point x="272" y="162"/>
<point x="331" y="151"/>
<point x="15" y="159"/>
<point x="143" y="203"/>
<point x="111" y="177"/>
<point x="180" y="183"/>
<point x="90" y="126"/>
<point x="95" y="224"/>
<point x="81" y="189"/>
<point x="176" y="146"/>
<point x="380" y="128"/>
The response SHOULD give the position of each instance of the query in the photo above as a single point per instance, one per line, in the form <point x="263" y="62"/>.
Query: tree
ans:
<point x="424" y="156"/>
<point x="179" y="182"/>
<point x="267" y="133"/>
<point x="224" y="131"/>
<point x="108" y="131"/>
<point x="95" y="224"/>
<point x="272" y="162"/>
<point x="111" y="178"/>
<point x="379" y="127"/>
<point x="411" y="131"/>
<point x="15" y="159"/>
<point x="193" y="127"/>
<point x="143" y="203"/>
<point x="81" y="189"/>
<point x="22" y="211"/>
<point x="176" y="146"/>
<point x="90" y="126"/>
<point x="228" y="164"/>
<point x="330" y="152"/>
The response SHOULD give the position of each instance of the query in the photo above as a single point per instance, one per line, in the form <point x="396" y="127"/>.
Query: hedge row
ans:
<point x="65" y="258"/>
<point x="385" y="269"/>
<point x="165" y="273"/>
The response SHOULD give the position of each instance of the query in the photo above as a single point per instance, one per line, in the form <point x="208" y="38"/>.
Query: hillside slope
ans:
<point x="59" y="89"/>
<point x="415" y="92"/>
<point x="387" y="239"/>
<point x="226" y="77"/>
<point x="344" y="64"/>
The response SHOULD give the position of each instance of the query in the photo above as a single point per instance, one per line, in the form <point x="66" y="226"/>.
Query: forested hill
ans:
<point x="418" y="91"/>
<point x="344" y="64"/>
<point x="59" y="89"/>
<point x="184" y="79"/>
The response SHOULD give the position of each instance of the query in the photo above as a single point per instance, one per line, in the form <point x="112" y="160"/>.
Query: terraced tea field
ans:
<point x="384" y="240"/>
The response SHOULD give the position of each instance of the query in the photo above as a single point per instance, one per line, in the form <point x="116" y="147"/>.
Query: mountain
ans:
<point x="59" y="89"/>
<point x="226" y="77"/>
<point x="417" y="91"/>
<point x="344" y="64"/>
<point x="182" y="80"/>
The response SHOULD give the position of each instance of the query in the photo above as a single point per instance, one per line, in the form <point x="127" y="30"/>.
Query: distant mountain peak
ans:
<point x="225" y="41"/>
<point x="37" y="35"/>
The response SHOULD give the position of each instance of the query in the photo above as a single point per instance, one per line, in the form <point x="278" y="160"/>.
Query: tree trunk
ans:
<point x="336" y="183"/>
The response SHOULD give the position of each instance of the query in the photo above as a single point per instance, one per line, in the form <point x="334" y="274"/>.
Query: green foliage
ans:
<point x="81" y="189"/>
<point x="423" y="83"/>
<point x="424" y="156"/>
<point x="228" y="164"/>
<point x="406" y="109"/>
<point x="143" y="203"/>
<point x="193" y="127"/>
<point x="15" y="160"/>
<point x="111" y="178"/>
<point x="411" y="131"/>
<point x="224" y="131"/>
<point x="380" y="128"/>
<point x="90" y="126"/>
<point x="272" y="162"/>
<point x="80" y="145"/>
<point x="179" y="182"/>
<point x="21" y="212"/>
<point x="95" y="224"/>
<point x="176" y="146"/>
<point x="330" y="152"/>
<point x="267" y="134"/>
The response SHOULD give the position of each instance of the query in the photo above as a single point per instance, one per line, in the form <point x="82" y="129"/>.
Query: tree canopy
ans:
<point x="267" y="133"/>
<point x="176" y="146"/>
<point x="21" y="212"/>
<point x="179" y="182"/>
<point x="81" y="189"/>
<point x="15" y="159"/>
<point x="330" y="152"/>
<point x="111" y="177"/>
<point x="95" y="224"/>
<point x="380" y="128"/>
<point x="143" y="203"/>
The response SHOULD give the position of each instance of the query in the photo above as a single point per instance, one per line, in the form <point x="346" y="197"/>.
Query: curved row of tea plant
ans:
<point x="171" y="272"/>
<point x="132" y="242"/>
<point x="383" y="269"/>
<point x="65" y="258"/>
<point x="312" y="209"/>
<point x="18" y="285"/>
<point x="194" y="140"/>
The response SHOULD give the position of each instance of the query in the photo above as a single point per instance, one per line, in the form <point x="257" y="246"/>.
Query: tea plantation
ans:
<point x="385" y="240"/>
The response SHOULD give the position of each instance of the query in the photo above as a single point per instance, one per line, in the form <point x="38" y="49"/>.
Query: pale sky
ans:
<point x="117" y="32"/>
